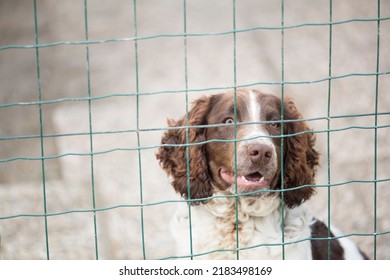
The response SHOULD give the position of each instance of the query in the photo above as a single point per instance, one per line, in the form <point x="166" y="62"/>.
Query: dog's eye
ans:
<point x="229" y="121"/>
<point x="274" y="124"/>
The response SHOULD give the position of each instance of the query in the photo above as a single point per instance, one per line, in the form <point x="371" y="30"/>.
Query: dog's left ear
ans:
<point x="300" y="157"/>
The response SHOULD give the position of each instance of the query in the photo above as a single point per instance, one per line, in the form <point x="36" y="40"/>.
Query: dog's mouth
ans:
<point x="247" y="182"/>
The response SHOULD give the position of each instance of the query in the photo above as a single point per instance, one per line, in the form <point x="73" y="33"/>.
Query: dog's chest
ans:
<point x="240" y="237"/>
<point x="224" y="235"/>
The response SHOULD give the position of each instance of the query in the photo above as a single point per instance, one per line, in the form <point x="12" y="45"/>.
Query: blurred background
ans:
<point x="160" y="68"/>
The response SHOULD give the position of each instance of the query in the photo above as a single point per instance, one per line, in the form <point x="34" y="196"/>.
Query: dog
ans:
<point x="245" y="163"/>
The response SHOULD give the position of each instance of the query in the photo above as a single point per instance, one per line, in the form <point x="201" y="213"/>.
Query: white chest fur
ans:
<point x="209" y="231"/>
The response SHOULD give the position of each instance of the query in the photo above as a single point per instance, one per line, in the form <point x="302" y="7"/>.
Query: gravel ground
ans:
<point x="73" y="184"/>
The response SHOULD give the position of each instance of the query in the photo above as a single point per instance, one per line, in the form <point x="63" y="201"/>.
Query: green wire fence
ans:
<point x="190" y="91"/>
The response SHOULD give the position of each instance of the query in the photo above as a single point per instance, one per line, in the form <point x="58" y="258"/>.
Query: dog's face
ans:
<point x="251" y="162"/>
<point x="234" y="142"/>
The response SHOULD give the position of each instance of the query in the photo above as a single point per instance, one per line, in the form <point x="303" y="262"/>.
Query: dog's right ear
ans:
<point x="180" y="151"/>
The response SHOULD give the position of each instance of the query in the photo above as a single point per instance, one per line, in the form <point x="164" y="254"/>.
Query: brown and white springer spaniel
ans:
<point x="235" y="184"/>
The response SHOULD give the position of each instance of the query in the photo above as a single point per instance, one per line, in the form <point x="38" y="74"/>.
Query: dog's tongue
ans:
<point x="253" y="177"/>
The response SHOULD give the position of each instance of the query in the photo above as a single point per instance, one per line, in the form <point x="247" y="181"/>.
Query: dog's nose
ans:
<point x="259" y="153"/>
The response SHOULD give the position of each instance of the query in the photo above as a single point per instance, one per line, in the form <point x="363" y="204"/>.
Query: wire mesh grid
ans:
<point x="80" y="179"/>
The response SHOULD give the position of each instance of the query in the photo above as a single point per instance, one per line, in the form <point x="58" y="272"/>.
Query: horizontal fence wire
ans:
<point x="188" y="35"/>
<point x="138" y="205"/>
<point x="138" y="148"/>
<point x="135" y="94"/>
<point x="36" y="136"/>
<point x="187" y="90"/>
<point x="283" y="243"/>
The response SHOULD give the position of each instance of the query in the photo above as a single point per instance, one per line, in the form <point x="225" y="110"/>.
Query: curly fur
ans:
<point x="301" y="158"/>
<point x="174" y="158"/>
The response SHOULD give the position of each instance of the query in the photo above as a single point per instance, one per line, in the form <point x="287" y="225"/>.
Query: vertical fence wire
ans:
<point x="187" y="129"/>
<point x="282" y="140"/>
<point x="376" y="127"/>
<point x="138" y="129"/>
<point x="41" y="128"/>
<point x="90" y="130"/>
<point x="235" y="171"/>
<point x="328" y="123"/>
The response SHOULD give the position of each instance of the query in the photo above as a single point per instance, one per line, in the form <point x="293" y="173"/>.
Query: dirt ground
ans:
<point x="123" y="172"/>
